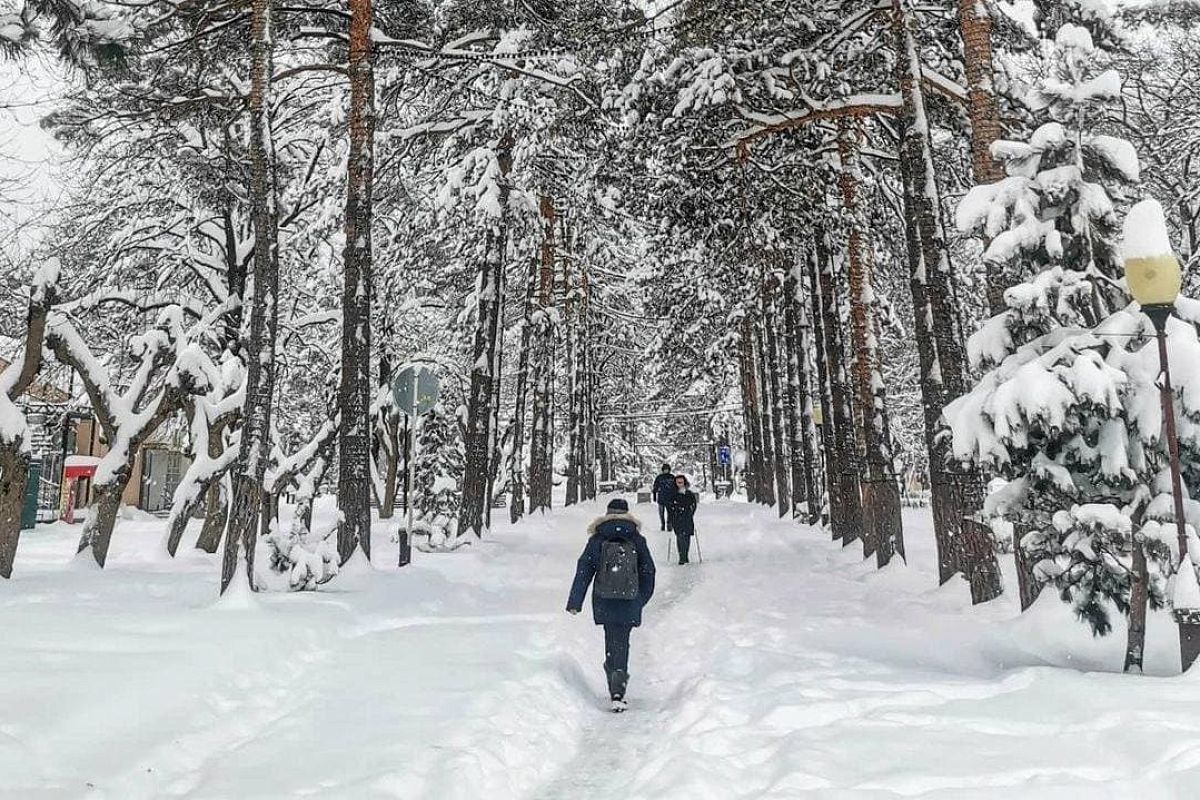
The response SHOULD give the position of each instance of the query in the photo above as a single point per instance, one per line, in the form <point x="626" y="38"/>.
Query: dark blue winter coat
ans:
<point x="664" y="488"/>
<point x="613" y="612"/>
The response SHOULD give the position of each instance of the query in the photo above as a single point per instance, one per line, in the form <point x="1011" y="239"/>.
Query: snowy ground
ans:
<point x="780" y="668"/>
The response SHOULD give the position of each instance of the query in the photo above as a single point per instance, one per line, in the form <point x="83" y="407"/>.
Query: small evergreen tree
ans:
<point x="439" y="466"/>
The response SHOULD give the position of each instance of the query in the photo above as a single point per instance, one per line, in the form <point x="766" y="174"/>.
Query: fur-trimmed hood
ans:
<point x="594" y="528"/>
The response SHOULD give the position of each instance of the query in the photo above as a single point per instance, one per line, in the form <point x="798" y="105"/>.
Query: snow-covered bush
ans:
<point x="308" y="559"/>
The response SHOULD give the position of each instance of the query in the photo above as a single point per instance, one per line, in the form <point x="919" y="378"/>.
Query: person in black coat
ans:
<point x="682" y="513"/>
<point x="619" y="617"/>
<point x="661" y="493"/>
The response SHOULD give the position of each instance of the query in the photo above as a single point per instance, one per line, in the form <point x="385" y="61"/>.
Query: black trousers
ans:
<point x="616" y="658"/>
<point x="684" y="542"/>
<point x="664" y="519"/>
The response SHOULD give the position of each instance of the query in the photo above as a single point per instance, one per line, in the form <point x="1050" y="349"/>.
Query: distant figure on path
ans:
<point x="681" y="511"/>
<point x="616" y="563"/>
<point x="663" y="491"/>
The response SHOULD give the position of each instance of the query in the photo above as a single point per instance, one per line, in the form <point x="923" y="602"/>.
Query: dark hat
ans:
<point x="618" y="506"/>
<point x="666" y="468"/>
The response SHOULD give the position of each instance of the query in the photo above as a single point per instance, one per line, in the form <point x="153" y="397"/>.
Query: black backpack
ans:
<point x="617" y="577"/>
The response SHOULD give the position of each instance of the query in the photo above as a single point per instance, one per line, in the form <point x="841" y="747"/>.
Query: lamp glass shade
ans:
<point x="1154" y="280"/>
<point x="818" y="416"/>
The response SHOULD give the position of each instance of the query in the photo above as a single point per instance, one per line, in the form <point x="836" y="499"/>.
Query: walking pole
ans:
<point x="699" y="552"/>
<point x="670" y="536"/>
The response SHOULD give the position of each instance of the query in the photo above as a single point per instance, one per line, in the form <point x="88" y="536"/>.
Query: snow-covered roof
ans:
<point x="81" y="461"/>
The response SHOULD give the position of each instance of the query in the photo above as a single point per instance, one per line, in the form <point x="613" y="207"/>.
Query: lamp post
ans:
<point x="1154" y="279"/>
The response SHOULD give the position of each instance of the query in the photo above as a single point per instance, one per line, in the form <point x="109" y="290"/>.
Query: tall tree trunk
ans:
<point x="354" y="389"/>
<point x="478" y="438"/>
<point x="975" y="26"/>
<point x="235" y="279"/>
<point x="771" y="320"/>
<point x="846" y="512"/>
<point x="825" y="390"/>
<point x="517" y="457"/>
<point x="496" y="443"/>
<point x="264" y="312"/>
<point x="883" y="531"/>
<point x="541" y="435"/>
<point x="957" y="490"/>
<point x="766" y="419"/>
<point x="749" y="412"/>
<point x="755" y="462"/>
<point x="589" y="406"/>
<point x="575" y="387"/>
<point x="803" y="454"/>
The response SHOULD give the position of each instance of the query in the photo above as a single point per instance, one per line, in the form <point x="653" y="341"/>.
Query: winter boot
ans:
<point x="618" y="706"/>
<point x="618" y="679"/>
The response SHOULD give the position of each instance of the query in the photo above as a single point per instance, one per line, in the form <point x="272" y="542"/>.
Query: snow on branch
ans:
<point x="861" y="105"/>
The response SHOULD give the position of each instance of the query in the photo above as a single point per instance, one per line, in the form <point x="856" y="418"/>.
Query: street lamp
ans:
<point x="1154" y="279"/>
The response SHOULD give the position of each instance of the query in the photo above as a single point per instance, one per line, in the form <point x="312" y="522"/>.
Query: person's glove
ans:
<point x="572" y="611"/>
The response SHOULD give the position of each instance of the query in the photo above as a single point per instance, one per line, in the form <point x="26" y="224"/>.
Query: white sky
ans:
<point x="28" y="155"/>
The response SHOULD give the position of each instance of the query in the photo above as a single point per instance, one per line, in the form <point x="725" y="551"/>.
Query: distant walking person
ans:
<point x="616" y="563"/>
<point x="663" y="491"/>
<point x="682" y="513"/>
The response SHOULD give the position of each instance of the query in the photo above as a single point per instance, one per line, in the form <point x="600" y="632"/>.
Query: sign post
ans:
<point x="415" y="390"/>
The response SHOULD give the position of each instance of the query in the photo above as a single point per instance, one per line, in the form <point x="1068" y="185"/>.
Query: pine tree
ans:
<point x="440" y="468"/>
<point x="1060" y="414"/>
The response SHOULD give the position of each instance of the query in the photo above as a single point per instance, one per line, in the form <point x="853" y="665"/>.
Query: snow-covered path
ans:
<point x="782" y="667"/>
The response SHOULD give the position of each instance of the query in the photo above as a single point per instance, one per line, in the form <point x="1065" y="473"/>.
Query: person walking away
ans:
<point x="661" y="493"/>
<point x="681" y="511"/>
<point x="616" y="564"/>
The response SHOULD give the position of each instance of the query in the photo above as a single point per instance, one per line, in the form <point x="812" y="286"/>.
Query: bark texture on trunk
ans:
<point x="541" y="434"/>
<point x="479" y="439"/>
<point x="216" y="516"/>
<point x="983" y="109"/>
<point x="803" y="455"/>
<point x="354" y="388"/>
<point x="209" y="493"/>
<point x="240" y="537"/>
<point x="883" y="531"/>
<point x="845" y="507"/>
<point x="517" y="476"/>
<point x="14" y="460"/>
<point x="956" y="489"/>
<point x="755" y="462"/>
<point x="772" y="317"/>
<point x="825" y="395"/>
<point x="766" y="419"/>
<point x="14" y="466"/>
<point x="1135" y="645"/>
<point x="1029" y="587"/>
